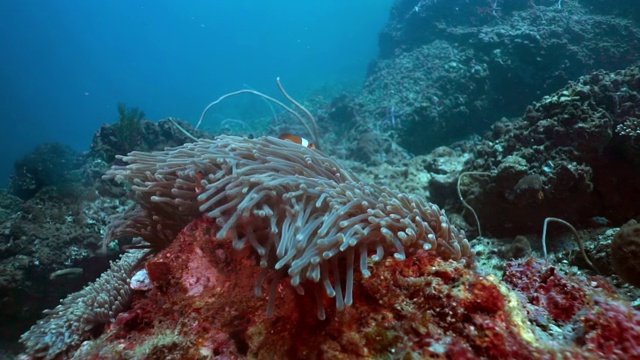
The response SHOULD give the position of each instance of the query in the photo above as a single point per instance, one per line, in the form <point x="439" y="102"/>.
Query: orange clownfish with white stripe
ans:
<point x="297" y="139"/>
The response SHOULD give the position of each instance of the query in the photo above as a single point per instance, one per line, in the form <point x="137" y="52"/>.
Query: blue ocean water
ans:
<point x="66" y="64"/>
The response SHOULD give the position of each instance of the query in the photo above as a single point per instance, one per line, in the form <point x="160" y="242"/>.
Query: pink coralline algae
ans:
<point x="204" y="306"/>
<point x="613" y="330"/>
<point x="546" y="288"/>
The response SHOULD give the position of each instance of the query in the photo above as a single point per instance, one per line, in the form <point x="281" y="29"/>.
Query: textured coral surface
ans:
<point x="203" y="305"/>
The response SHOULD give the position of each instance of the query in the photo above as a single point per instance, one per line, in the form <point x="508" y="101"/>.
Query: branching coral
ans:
<point x="305" y="216"/>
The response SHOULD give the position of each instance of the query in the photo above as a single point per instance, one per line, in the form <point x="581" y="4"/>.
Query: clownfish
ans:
<point x="297" y="139"/>
<point x="198" y="186"/>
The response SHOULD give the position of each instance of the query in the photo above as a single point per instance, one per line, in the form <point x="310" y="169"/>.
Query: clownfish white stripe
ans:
<point x="297" y="139"/>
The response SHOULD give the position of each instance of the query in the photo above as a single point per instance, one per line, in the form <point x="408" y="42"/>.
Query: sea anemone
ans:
<point x="305" y="215"/>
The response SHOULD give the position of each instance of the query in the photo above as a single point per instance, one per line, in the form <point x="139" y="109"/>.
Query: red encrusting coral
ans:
<point x="421" y="307"/>
<point x="458" y="313"/>
<point x="548" y="289"/>
<point x="613" y="331"/>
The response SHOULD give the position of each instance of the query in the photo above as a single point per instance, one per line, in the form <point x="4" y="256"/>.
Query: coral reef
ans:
<point x="617" y="8"/>
<point x="261" y="248"/>
<point x="448" y="67"/>
<point x="570" y="156"/>
<point x="48" y="249"/>
<point x="203" y="305"/>
<point x="135" y="133"/>
<point x="232" y="219"/>
<point x="48" y="165"/>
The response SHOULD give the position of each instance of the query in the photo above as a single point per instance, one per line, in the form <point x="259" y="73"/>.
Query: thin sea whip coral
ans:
<point x="305" y="216"/>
